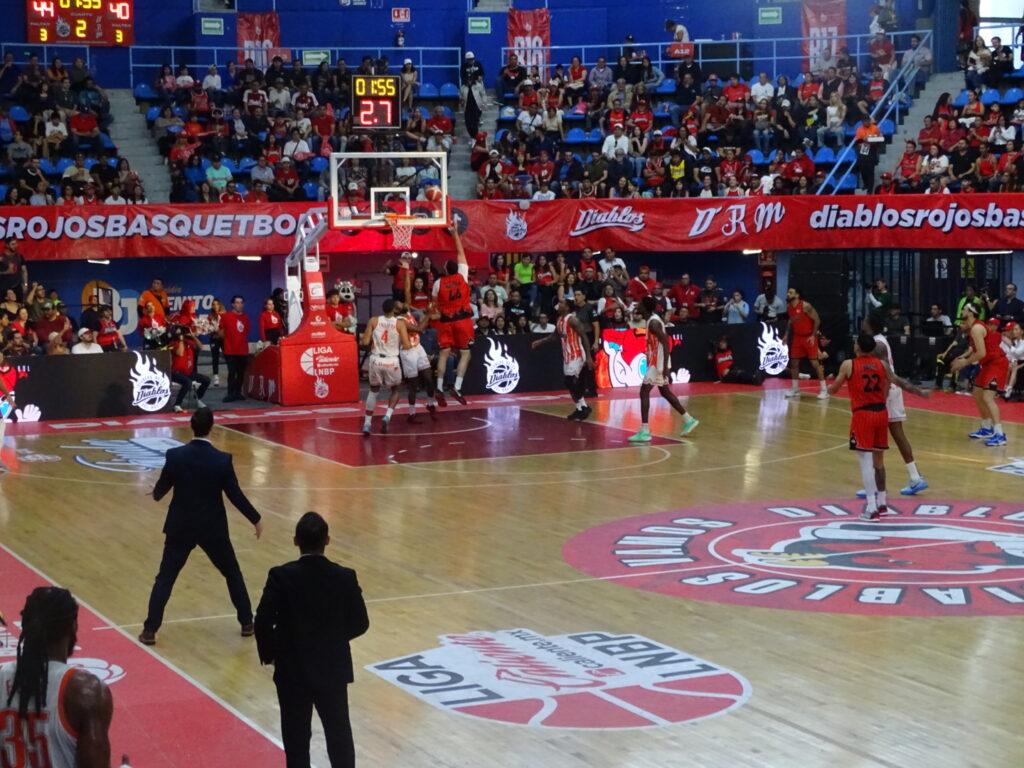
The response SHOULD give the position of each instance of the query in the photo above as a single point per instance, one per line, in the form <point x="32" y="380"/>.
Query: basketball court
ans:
<point x="542" y="593"/>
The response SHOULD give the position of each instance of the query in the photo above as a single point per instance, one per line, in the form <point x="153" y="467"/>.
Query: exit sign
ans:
<point x="479" y="25"/>
<point x="400" y="15"/>
<point x="769" y="15"/>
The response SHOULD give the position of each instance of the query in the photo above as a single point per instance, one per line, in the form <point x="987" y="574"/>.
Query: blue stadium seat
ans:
<point x="18" y="114"/>
<point x="318" y="164"/>
<point x="106" y="143"/>
<point x="989" y="97"/>
<point x="797" y="81"/>
<point x="850" y="131"/>
<point x="595" y="135"/>
<point x="887" y="127"/>
<point x="180" y="112"/>
<point x="228" y="163"/>
<point x="448" y="113"/>
<point x="847" y="155"/>
<point x="449" y="91"/>
<point x="500" y="135"/>
<point x="310" y="189"/>
<point x="262" y="136"/>
<point x="1018" y="72"/>
<point x="241" y="188"/>
<point x="668" y="85"/>
<point x="152" y="114"/>
<point x="428" y="91"/>
<point x="575" y="136"/>
<point x="246" y="164"/>
<point x="342" y="113"/>
<point x="961" y="100"/>
<point x="90" y="162"/>
<point x="4" y="189"/>
<point x="145" y="92"/>
<point x="825" y="155"/>
<point x="425" y="112"/>
<point x="175" y="129"/>
<point x="47" y="167"/>
<point x="113" y="161"/>
<point x="756" y="157"/>
<point x="63" y="164"/>
<point x="849" y="183"/>
<point x="1012" y="96"/>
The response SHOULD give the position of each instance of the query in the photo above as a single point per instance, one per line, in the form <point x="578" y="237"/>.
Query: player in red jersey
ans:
<point x="869" y="378"/>
<point x="985" y="350"/>
<point x="455" y="330"/>
<point x="575" y="355"/>
<point x="802" y="334"/>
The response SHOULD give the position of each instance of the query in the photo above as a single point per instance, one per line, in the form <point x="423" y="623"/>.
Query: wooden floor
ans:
<point x="477" y="544"/>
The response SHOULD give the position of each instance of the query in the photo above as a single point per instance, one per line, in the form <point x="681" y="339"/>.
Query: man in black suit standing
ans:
<point x="310" y="610"/>
<point x="199" y="475"/>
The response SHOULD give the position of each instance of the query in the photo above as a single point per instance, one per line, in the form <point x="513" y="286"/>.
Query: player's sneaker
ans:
<point x="862" y="494"/>
<point x="643" y="436"/>
<point x="688" y="427"/>
<point x="996" y="440"/>
<point x="216" y="380"/>
<point x="412" y="418"/>
<point x="574" y="415"/>
<point x="457" y="395"/>
<point x="366" y="429"/>
<point x="982" y="434"/>
<point x="440" y="399"/>
<point x="869" y="514"/>
<point x="178" y="409"/>
<point x="587" y="410"/>
<point x="432" y="412"/>
<point x="384" y="424"/>
<point x="915" y="487"/>
<point x="792" y="392"/>
<point x="884" y="511"/>
<point x="823" y="395"/>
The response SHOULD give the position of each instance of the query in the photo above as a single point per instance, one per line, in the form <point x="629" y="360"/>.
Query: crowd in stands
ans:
<point x="243" y="134"/>
<point x="54" y="149"/>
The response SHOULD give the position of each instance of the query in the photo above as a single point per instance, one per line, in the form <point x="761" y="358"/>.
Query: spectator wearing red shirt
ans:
<point x="184" y="349"/>
<point x="882" y="52"/>
<point x="877" y="86"/>
<point x="642" y="117"/>
<point x="491" y="191"/>
<point x="152" y="327"/>
<point x="908" y="168"/>
<point x="271" y="327"/>
<point x="614" y="117"/>
<point x="641" y="285"/>
<point x="286" y="182"/>
<point x="544" y="169"/>
<point x="439" y="131"/>
<point x="83" y="126"/>
<point x="109" y="337"/>
<point x="342" y="316"/>
<point x="887" y="187"/>
<point x="736" y="92"/>
<point x="952" y="133"/>
<point x="186" y="316"/>
<point x="685" y="294"/>
<point x="930" y="134"/>
<point x="235" y="327"/>
<point x="800" y="165"/>
<point x="587" y="261"/>
<point x="730" y="165"/>
<point x="231" y="194"/>
<point x="258" y="194"/>
<point x="52" y="322"/>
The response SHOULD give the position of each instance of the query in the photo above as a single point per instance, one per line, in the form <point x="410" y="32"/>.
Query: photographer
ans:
<point x="878" y="298"/>
<point x="184" y="347"/>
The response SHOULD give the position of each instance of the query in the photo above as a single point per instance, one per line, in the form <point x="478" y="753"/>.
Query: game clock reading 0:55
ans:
<point x="85" y="22"/>
<point x="376" y="102"/>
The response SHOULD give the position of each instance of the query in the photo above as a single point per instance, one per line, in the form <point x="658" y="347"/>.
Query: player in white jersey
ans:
<point x="575" y="354"/>
<point x="51" y="714"/>
<point x="416" y="367"/>
<point x="896" y="410"/>
<point x="657" y="374"/>
<point x="386" y="336"/>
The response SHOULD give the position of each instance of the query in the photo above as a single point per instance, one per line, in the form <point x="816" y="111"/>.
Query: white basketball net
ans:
<point x="401" y="232"/>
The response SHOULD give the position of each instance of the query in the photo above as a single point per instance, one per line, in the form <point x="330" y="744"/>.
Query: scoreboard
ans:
<point x="81" y="22"/>
<point x="376" y="101"/>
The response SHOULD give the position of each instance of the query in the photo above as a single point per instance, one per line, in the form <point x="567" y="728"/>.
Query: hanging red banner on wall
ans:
<point x="693" y="224"/>
<point x="529" y="37"/>
<point x="259" y="38"/>
<point x="824" y="26"/>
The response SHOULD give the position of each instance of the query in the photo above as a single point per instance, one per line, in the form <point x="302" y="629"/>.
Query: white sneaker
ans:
<point x="216" y="381"/>
<point x="793" y="393"/>
<point x="196" y="385"/>
<point x="823" y="395"/>
<point x="200" y="403"/>
<point x="177" y="409"/>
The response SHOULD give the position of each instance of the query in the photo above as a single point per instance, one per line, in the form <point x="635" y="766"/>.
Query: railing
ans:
<point x="888" y="108"/>
<point x="435" y="65"/>
<point x="46" y="52"/>
<point x="776" y="56"/>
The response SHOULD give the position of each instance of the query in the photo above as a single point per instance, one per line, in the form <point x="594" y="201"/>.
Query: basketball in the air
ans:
<point x="433" y="194"/>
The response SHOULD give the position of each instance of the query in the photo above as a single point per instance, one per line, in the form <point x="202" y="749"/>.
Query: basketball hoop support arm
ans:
<point x="304" y="258"/>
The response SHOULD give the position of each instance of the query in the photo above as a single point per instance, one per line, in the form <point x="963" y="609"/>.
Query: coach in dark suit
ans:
<point x="310" y="610"/>
<point x="200" y="475"/>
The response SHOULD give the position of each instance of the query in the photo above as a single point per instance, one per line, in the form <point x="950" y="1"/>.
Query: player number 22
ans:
<point x="872" y="382"/>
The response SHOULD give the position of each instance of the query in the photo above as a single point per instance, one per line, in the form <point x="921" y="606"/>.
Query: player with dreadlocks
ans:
<point x="48" y="708"/>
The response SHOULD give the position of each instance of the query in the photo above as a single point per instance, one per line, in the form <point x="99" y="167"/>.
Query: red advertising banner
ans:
<point x="824" y="26"/>
<point x="692" y="224"/>
<point x="529" y="35"/>
<point x="259" y="38"/>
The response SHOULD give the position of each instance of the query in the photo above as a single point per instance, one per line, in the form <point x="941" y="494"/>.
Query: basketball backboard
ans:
<point x="365" y="186"/>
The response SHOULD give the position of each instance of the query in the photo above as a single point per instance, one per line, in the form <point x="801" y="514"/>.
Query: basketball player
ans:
<point x="657" y="375"/>
<point x="386" y="336"/>
<point x="802" y="335"/>
<point x="52" y="714"/>
<point x="895" y="409"/>
<point x="984" y="349"/>
<point x="575" y="354"/>
<point x="416" y="367"/>
<point x="869" y="378"/>
<point x="455" y="329"/>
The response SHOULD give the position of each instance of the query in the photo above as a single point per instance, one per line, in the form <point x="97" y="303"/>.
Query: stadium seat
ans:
<point x="961" y="100"/>
<point x="175" y="129"/>
<point x="887" y="127"/>
<point x="242" y="189"/>
<point x="825" y="155"/>
<point x="668" y="85"/>
<point x="113" y="161"/>
<point x="310" y="189"/>
<point x="500" y="135"/>
<point x="595" y="135"/>
<point x="575" y="136"/>
<point x="847" y="155"/>
<point x="448" y="113"/>
<point x="18" y="114"/>
<point x="145" y="92"/>
<point x="63" y="164"/>
<point x="449" y="91"/>
<point x="228" y="163"/>
<point x="318" y="164"/>
<point x="90" y="162"/>
<point x="428" y="91"/>
<point x="425" y="112"/>
<point x="797" y="81"/>
<point x="1012" y="96"/>
<point x="152" y="114"/>
<point x="756" y="157"/>
<point x="989" y="97"/>
<point x="180" y="112"/>
<point x="106" y="142"/>
<point x="47" y="167"/>
<point x="4" y="189"/>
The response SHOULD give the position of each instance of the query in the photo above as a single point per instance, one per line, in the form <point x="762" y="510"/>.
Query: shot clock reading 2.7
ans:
<point x="86" y="22"/>
<point x="376" y="102"/>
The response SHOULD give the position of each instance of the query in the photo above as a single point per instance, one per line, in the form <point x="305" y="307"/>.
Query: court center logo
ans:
<point x="592" y="680"/>
<point x="502" y="368"/>
<point x="940" y="558"/>
<point x="139" y="454"/>
<point x="151" y="387"/>
<point x="774" y="357"/>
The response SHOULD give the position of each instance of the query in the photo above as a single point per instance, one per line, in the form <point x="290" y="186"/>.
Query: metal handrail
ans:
<point x="197" y="58"/>
<point x="888" y="107"/>
<point x="47" y="52"/>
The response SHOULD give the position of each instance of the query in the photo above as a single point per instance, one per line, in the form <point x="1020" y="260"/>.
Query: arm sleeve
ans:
<point x="165" y="482"/>
<point x="266" y="619"/>
<point x="358" y="619"/>
<point x="234" y="493"/>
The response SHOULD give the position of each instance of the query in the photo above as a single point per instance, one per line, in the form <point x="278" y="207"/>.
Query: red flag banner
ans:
<point x="259" y="38"/>
<point x="692" y="224"/>
<point x="824" y="26"/>
<point x="529" y="36"/>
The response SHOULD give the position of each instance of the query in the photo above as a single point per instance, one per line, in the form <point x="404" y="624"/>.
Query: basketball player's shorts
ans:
<point x="455" y="334"/>
<point x="654" y="374"/>
<point x="803" y="346"/>
<point x="385" y="371"/>
<point x="993" y="374"/>
<point x="573" y="368"/>
<point x="894" y="405"/>
<point x="413" y="361"/>
<point x="869" y="430"/>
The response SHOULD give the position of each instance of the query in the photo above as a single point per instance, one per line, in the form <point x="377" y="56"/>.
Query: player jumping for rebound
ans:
<point x="415" y="362"/>
<point x="657" y="375"/>
<point x="802" y="334"/>
<point x="386" y="336"/>
<point x="896" y="411"/>
<point x="869" y="378"/>
<point x="985" y="350"/>
<point x="455" y="329"/>
<point x="575" y="354"/>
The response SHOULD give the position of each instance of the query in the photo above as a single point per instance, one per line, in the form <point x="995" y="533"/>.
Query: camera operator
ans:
<point x="184" y="348"/>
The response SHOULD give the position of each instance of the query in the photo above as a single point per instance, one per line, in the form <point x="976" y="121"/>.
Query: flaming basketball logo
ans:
<point x="320" y="388"/>
<point x="774" y="355"/>
<point x="502" y="368"/>
<point x="515" y="226"/>
<point x="151" y="387"/>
